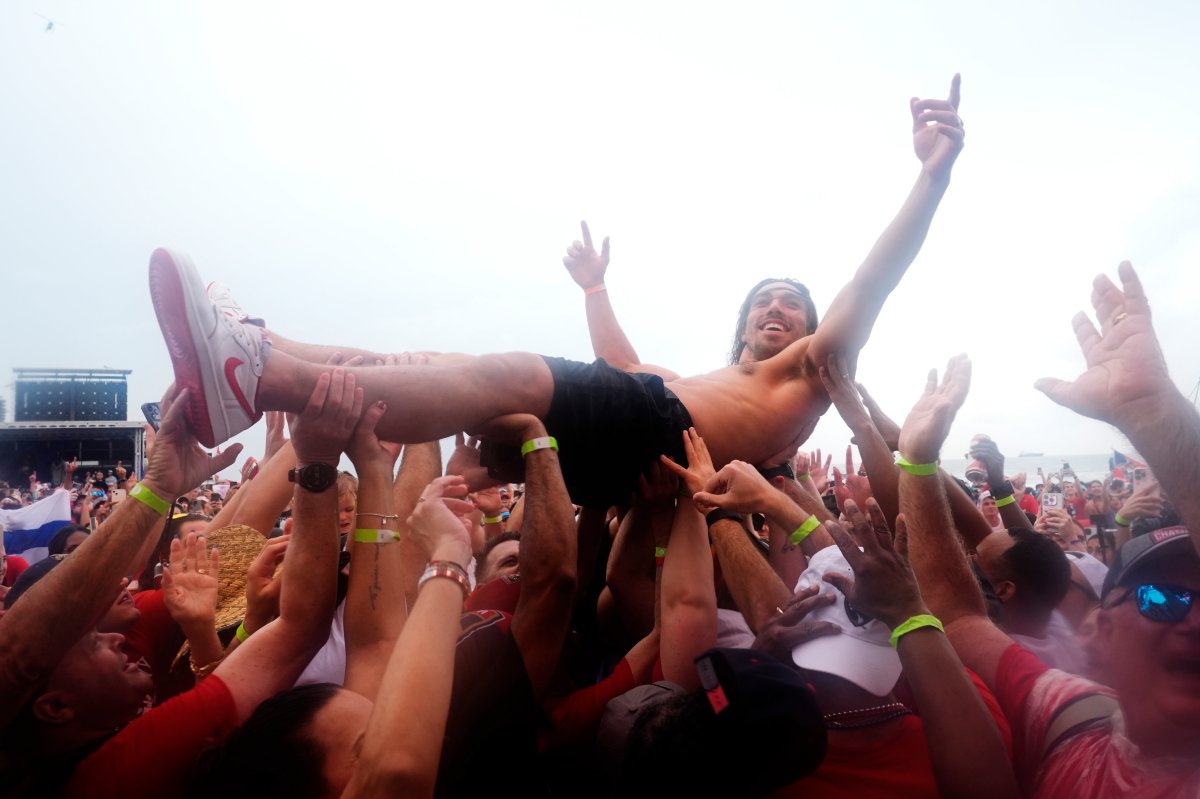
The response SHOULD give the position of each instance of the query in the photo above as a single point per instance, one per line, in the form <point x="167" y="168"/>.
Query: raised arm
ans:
<point x="403" y="741"/>
<point x="937" y="558"/>
<point x="937" y="139"/>
<point x="59" y="609"/>
<point x="547" y="555"/>
<point x="587" y="268"/>
<point x="965" y="747"/>
<point x="1126" y="384"/>
<point x="272" y="658"/>
<point x="375" y="606"/>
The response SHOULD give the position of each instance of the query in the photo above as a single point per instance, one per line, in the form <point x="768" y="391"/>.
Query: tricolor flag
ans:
<point x="28" y="530"/>
<point x="1121" y="465"/>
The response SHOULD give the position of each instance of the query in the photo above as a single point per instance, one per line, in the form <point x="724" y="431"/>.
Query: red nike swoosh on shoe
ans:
<point x="231" y="364"/>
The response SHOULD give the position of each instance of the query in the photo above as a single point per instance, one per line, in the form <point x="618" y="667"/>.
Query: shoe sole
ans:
<point x="168" y="271"/>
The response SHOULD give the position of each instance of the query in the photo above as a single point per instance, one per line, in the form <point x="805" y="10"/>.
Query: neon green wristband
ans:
<point x="660" y="554"/>
<point x="544" y="442"/>
<point x="920" y="469"/>
<point x="803" y="476"/>
<point x="804" y="530"/>
<point x="915" y="623"/>
<point x="1010" y="499"/>
<point x="241" y="633"/>
<point x="1120" y="520"/>
<point x="492" y="519"/>
<point x="150" y="499"/>
<point x="365" y="536"/>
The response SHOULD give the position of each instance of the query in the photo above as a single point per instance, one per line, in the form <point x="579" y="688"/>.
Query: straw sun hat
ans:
<point x="239" y="545"/>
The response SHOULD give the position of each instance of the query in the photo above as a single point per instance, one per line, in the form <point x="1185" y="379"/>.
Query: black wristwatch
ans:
<point x="314" y="477"/>
<point x="723" y="514"/>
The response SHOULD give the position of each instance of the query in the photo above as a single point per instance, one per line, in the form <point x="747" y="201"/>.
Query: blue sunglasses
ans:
<point x="1165" y="603"/>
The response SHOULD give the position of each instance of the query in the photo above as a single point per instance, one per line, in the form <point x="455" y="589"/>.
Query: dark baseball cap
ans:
<point x="1144" y="549"/>
<point x="29" y="578"/>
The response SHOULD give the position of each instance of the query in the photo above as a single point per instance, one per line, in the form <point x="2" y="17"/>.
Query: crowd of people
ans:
<point x="624" y="582"/>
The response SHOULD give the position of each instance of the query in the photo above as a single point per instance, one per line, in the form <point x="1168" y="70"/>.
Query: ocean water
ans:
<point x="1086" y="467"/>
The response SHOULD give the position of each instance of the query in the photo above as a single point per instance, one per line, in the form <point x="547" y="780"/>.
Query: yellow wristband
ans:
<point x="492" y="519"/>
<point x="1010" y="499"/>
<point x="804" y="530"/>
<point x="544" y="442"/>
<point x="150" y="499"/>
<point x="915" y="623"/>
<point x="364" y="536"/>
<point x="241" y="634"/>
<point x="920" y="469"/>
<point x="1120" y="520"/>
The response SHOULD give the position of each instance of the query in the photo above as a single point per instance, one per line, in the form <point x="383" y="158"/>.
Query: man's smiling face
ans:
<point x="777" y="317"/>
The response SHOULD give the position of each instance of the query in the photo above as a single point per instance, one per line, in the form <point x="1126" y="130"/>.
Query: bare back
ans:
<point x="756" y="411"/>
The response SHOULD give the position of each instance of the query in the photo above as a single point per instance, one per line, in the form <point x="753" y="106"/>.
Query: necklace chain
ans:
<point x="868" y="722"/>
<point x="862" y="710"/>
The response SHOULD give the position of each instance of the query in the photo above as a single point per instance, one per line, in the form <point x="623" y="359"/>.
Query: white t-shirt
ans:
<point x="329" y="664"/>
<point x="1058" y="649"/>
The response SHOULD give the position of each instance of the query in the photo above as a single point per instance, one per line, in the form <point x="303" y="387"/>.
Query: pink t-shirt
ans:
<point x="1100" y="762"/>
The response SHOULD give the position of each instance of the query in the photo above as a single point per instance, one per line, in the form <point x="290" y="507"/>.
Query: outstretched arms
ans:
<point x="937" y="140"/>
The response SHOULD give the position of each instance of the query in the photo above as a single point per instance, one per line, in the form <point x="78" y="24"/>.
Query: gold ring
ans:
<point x="1119" y="317"/>
<point x="201" y="571"/>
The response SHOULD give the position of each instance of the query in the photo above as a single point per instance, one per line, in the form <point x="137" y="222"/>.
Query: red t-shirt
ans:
<point x="1101" y="762"/>
<point x="1029" y="504"/>
<point x="151" y="756"/>
<point x="885" y="769"/>
<point x="157" y="638"/>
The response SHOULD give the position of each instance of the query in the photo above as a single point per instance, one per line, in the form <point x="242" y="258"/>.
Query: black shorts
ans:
<point x="610" y="426"/>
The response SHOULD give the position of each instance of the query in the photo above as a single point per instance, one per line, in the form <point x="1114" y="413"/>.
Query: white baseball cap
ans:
<point x="862" y="653"/>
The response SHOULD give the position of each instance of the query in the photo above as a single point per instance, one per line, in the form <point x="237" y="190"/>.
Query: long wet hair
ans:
<point x="810" y="314"/>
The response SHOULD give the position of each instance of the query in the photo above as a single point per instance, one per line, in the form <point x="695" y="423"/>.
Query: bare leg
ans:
<point x="318" y="353"/>
<point x="424" y="402"/>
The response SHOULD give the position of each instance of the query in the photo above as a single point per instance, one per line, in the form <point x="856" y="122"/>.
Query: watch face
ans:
<point x="316" y="476"/>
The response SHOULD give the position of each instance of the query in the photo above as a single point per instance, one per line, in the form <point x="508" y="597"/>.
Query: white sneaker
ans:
<point x="222" y="297"/>
<point x="219" y="360"/>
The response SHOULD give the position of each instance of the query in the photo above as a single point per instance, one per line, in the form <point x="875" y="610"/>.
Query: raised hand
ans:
<point x="782" y="633"/>
<point x="263" y="584"/>
<point x="884" y="586"/>
<point x="938" y="131"/>
<point x="365" y="449"/>
<point x="435" y="524"/>
<point x="327" y="422"/>
<point x="835" y="376"/>
<point x="585" y="266"/>
<point x="737" y="487"/>
<point x="464" y="461"/>
<point x="984" y="450"/>
<point x="883" y="423"/>
<point x="189" y="584"/>
<point x="1146" y="503"/>
<point x="819" y="469"/>
<point x="700" y="466"/>
<point x="1126" y="374"/>
<point x="276" y="432"/>
<point x="488" y="501"/>
<point x="178" y="464"/>
<point x="853" y="486"/>
<point x="929" y="421"/>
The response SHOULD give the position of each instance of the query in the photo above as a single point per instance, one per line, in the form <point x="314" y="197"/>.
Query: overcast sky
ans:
<point x="408" y="178"/>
